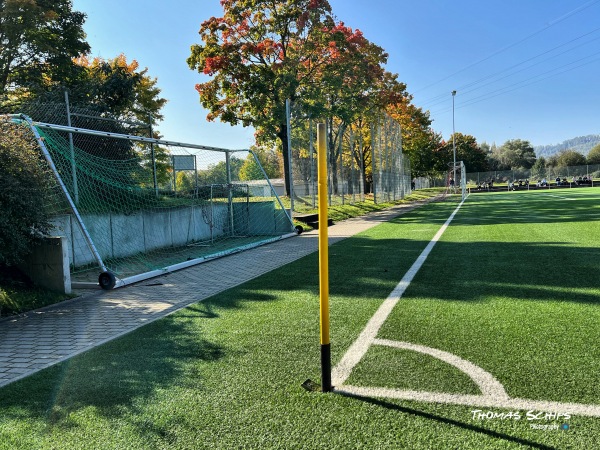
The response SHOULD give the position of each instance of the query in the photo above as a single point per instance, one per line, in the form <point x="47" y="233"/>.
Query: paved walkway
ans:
<point x="41" y="338"/>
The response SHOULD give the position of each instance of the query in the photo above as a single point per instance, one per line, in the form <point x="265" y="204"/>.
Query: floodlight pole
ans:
<point x="323" y="259"/>
<point x="453" y="142"/>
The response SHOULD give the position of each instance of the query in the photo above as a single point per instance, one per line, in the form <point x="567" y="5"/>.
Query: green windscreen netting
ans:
<point x="150" y="205"/>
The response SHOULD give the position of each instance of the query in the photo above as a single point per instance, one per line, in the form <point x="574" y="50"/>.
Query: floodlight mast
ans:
<point x="453" y="143"/>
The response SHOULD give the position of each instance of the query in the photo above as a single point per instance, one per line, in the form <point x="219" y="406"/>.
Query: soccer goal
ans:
<point x="132" y="208"/>
<point x="460" y="183"/>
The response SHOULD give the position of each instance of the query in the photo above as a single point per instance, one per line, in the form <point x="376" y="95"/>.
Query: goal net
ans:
<point x="132" y="208"/>
<point x="458" y="185"/>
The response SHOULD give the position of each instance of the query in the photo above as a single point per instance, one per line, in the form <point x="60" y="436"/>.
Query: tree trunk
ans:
<point x="333" y="163"/>
<point x="283" y="137"/>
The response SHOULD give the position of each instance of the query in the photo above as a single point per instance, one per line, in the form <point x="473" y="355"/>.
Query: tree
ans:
<point x="467" y="151"/>
<point x="418" y="140"/>
<point x="111" y="88"/>
<point x="515" y="154"/>
<point x="108" y="89"/>
<point x="217" y="173"/>
<point x="260" y="53"/>
<point x="26" y="189"/>
<point x="269" y="160"/>
<point x="567" y="158"/>
<point x="184" y="182"/>
<point x="593" y="156"/>
<point x="538" y="170"/>
<point x="38" y="40"/>
<point x="423" y="161"/>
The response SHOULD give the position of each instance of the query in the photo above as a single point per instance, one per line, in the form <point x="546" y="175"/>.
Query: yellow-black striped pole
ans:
<point x="323" y="259"/>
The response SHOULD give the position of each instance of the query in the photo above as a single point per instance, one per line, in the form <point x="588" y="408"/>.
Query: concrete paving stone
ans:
<point x="17" y="371"/>
<point x="19" y="360"/>
<point x="21" y="365"/>
<point x="40" y="365"/>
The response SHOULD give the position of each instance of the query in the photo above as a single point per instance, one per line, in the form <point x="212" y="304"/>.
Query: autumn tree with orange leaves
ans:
<point x="260" y="53"/>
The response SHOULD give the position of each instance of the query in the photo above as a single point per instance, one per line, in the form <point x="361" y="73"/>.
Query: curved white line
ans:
<point x="488" y="385"/>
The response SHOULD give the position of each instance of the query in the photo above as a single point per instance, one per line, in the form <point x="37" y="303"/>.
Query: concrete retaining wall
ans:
<point x="120" y="235"/>
<point x="48" y="265"/>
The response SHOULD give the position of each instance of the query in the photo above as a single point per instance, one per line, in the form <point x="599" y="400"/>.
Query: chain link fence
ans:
<point x="364" y="161"/>
<point x="555" y="176"/>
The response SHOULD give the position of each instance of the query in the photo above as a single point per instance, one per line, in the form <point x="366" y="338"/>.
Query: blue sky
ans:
<point x="522" y="69"/>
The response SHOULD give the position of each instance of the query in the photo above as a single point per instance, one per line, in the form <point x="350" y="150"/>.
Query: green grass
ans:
<point x="511" y="286"/>
<point x="339" y="212"/>
<point x="18" y="294"/>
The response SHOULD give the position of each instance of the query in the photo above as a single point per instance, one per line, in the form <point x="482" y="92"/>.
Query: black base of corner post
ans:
<point x="326" y="368"/>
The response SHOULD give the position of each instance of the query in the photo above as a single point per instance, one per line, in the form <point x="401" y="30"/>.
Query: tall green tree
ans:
<point x="38" y="40"/>
<point x="268" y="159"/>
<point x="515" y="154"/>
<point x="568" y="158"/>
<point x="538" y="170"/>
<point x="25" y="195"/>
<point x="593" y="156"/>
<point x="467" y="151"/>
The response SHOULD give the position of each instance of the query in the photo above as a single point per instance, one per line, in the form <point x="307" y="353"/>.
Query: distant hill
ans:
<point x="582" y="144"/>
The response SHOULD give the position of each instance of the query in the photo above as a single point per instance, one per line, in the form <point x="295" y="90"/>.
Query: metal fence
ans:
<point x="364" y="160"/>
<point x="566" y="174"/>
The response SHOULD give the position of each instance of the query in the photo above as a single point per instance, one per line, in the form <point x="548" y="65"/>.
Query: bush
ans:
<point x="25" y="187"/>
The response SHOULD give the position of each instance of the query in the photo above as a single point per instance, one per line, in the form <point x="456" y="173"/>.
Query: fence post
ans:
<point x="72" y="150"/>
<point x="229" y="190"/>
<point x="153" y="156"/>
<point x="289" y="142"/>
<point x="373" y="141"/>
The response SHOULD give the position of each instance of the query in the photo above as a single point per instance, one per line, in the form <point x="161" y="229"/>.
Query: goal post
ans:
<point x="463" y="179"/>
<point x="146" y="207"/>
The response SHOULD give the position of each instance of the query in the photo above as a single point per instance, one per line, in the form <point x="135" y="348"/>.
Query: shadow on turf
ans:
<point x="531" y="207"/>
<point x="447" y="421"/>
<point x="371" y="268"/>
<point x="115" y="378"/>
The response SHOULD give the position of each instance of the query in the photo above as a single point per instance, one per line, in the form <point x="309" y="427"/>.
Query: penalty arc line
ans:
<point x="358" y="349"/>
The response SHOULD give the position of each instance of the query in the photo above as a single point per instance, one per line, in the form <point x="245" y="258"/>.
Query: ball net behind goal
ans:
<point x="147" y="206"/>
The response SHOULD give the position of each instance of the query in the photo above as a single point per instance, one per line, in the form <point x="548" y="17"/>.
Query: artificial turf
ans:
<point x="510" y="287"/>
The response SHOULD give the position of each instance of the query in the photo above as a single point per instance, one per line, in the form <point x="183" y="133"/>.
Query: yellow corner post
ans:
<point x="323" y="259"/>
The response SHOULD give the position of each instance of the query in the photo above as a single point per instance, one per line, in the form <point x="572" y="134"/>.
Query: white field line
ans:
<point x="357" y="350"/>
<point x="482" y="401"/>
<point x="558" y="196"/>
<point x="487" y="384"/>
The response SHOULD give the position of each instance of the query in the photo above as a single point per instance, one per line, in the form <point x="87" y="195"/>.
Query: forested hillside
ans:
<point x="581" y="144"/>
